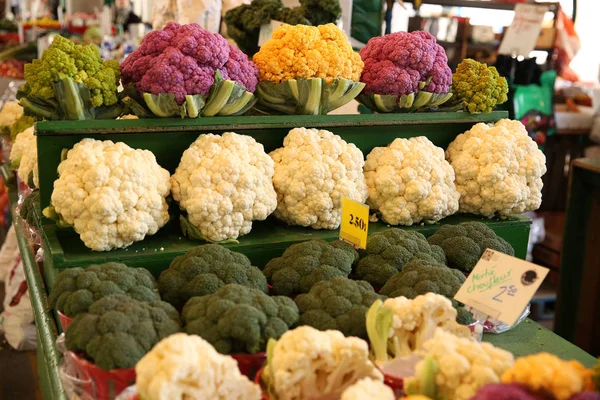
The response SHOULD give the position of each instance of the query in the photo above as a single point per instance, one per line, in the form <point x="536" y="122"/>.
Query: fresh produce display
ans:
<point x="187" y="367"/>
<point x="117" y="331"/>
<point x="498" y="169"/>
<point x="71" y="82"/>
<point x="43" y="23"/>
<point x="314" y="171"/>
<point x="477" y="87"/>
<point x="303" y="265"/>
<point x="405" y="71"/>
<point x="21" y="124"/>
<point x="238" y="319"/>
<point x="464" y="243"/>
<point x="410" y="181"/>
<point x="204" y="270"/>
<point x="244" y="22"/>
<point x="306" y="363"/>
<point x="30" y="208"/>
<point x="337" y="304"/>
<point x="223" y="183"/>
<point x="307" y="70"/>
<point x="398" y="327"/>
<point x="12" y="69"/>
<point x="388" y="251"/>
<point x="456" y="367"/>
<point x="75" y="289"/>
<point x="368" y="388"/>
<point x="23" y="158"/>
<point x="10" y="113"/>
<point x="187" y="71"/>
<point x="111" y="194"/>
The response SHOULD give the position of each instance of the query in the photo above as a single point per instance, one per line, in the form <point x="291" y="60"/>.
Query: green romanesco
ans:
<point x="389" y="250"/>
<point x="204" y="270"/>
<point x="68" y="81"/>
<point x="304" y="264"/>
<point x="118" y="331"/>
<point x="478" y="86"/>
<point x="340" y="304"/>
<point x="24" y="122"/>
<point x="465" y="243"/>
<point x="239" y="319"/>
<point x="75" y="289"/>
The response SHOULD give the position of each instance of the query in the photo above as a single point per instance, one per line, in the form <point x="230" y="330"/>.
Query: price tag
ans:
<point x="355" y="223"/>
<point x="266" y="31"/>
<point x="501" y="286"/>
<point x="522" y="34"/>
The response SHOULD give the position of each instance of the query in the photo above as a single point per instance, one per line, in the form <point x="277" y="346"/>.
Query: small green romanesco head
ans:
<point x="479" y="86"/>
<point x="118" y="331"/>
<point x="239" y="319"/>
<point x="304" y="264"/>
<point x="465" y="243"/>
<point x="339" y="303"/>
<point x="204" y="270"/>
<point x="388" y="251"/>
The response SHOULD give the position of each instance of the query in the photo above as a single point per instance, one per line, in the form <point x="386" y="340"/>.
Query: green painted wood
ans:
<point x="529" y="338"/>
<point x="168" y="138"/>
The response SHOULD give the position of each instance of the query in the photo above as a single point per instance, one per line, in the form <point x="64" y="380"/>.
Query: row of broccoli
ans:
<point x="237" y="307"/>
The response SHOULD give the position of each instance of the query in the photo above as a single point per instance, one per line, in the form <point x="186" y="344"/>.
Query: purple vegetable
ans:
<point x="395" y="64"/>
<point x="586" y="396"/>
<point x="500" y="391"/>
<point x="183" y="60"/>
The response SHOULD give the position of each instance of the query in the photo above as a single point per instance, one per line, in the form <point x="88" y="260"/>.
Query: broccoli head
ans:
<point x="478" y="86"/>
<point x="238" y="319"/>
<point x="204" y="270"/>
<point x="304" y="264"/>
<point x="339" y="303"/>
<point x="321" y="12"/>
<point x="389" y="250"/>
<point x="465" y="243"/>
<point x="118" y="331"/>
<point x="421" y="277"/>
<point x="75" y="289"/>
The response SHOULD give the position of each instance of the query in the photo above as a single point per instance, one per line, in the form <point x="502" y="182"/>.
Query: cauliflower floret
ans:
<point x="23" y="157"/>
<point x="10" y="113"/>
<point x="463" y="365"/>
<point x="187" y="367"/>
<point x="224" y="182"/>
<point x="111" y="194"/>
<point x="498" y="169"/>
<point x="409" y="181"/>
<point x="368" y="388"/>
<point x="306" y="363"/>
<point x="314" y="170"/>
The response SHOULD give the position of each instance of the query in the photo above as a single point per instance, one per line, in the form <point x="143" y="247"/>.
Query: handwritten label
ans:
<point x="355" y="223"/>
<point x="266" y="31"/>
<point x="522" y="34"/>
<point x="501" y="286"/>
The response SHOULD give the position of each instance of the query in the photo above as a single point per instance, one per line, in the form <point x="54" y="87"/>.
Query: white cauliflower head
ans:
<point x="185" y="366"/>
<point x="111" y="194"/>
<point x="307" y="363"/>
<point x="10" y="113"/>
<point x="409" y="181"/>
<point x="23" y="157"/>
<point x="223" y="182"/>
<point x="463" y="365"/>
<point x="314" y="171"/>
<point x="498" y="168"/>
<point x="367" y="389"/>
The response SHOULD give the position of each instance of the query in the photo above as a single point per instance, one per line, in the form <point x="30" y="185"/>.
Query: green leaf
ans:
<point x="218" y="98"/>
<point x="40" y="108"/>
<point x="194" y="105"/>
<point x="136" y="108"/>
<point x="162" y="105"/>
<point x="192" y="232"/>
<point x="352" y="90"/>
<point x="421" y="99"/>
<point x="74" y="99"/>
<point x="384" y="103"/>
<point x="108" y="112"/>
<point x="239" y="106"/>
<point x="309" y="102"/>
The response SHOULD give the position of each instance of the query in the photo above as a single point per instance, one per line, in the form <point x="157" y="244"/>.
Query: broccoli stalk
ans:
<point x="379" y="322"/>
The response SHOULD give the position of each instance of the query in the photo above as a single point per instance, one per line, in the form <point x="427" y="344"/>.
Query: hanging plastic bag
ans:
<point x="206" y="13"/>
<point x="567" y="45"/>
<point x="492" y="325"/>
<point x="8" y="253"/>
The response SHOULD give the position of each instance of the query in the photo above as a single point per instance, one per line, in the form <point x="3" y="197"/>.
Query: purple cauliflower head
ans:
<point x="183" y="60"/>
<point x="505" y="391"/>
<point x="395" y="64"/>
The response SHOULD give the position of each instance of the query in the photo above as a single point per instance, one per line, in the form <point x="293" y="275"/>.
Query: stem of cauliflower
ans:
<point x="424" y="382"/>
<point x="379" y="322"/>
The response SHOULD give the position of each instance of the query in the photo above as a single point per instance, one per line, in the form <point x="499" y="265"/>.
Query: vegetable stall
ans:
<point x="205" y="229"/>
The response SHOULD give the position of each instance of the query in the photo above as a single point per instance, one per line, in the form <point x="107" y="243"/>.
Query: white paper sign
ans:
<point x="266" y="31"/>
<point x="523" y="32"/>
<point x="501" y="286"/>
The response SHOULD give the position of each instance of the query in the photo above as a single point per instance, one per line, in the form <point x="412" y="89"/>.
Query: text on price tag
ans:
<point x="501" y="286"/>
<point x="355" y="223"/>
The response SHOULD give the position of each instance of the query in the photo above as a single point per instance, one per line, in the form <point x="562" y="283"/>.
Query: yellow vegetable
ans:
<point x="416" y="397"/>
<point x="303" y="51"/>
<point x="545" y="372"/>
